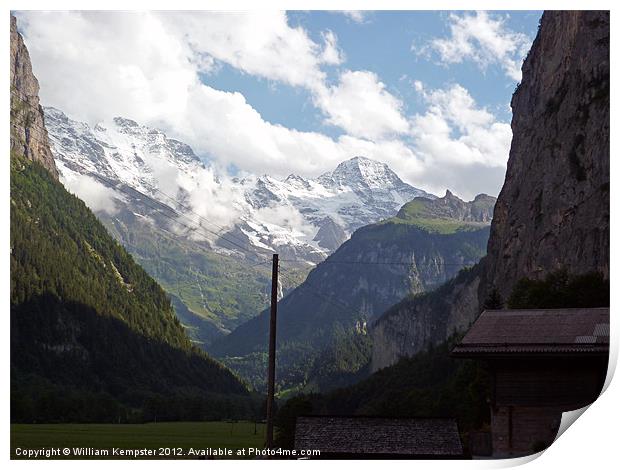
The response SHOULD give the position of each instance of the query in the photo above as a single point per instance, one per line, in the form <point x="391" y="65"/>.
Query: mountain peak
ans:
<point x="293" y="177"/>
<point x="433" y="214"/>
<point x="361" y="162"/>
<point x="362" y="171"/>
<point x="124" y="122"/>
<point x="362" y="159"/>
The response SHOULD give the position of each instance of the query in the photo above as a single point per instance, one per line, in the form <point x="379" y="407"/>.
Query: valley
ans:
<point x="381" y="264"/>
<point x="218" y="275"/>
<point x="153" y="188"/>
<point x="141" y="279"/>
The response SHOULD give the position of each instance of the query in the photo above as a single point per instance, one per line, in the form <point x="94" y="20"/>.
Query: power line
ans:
<point x="307" y="285"/>
<point x="336" y="302"/>
<point x="195" y="228"/>
<point x="402" y="263"/>
<point x="258" y="264"/>
<point x="200" y="217"/>
<point x="263" y="260"/>
<point x="344" y="308"/>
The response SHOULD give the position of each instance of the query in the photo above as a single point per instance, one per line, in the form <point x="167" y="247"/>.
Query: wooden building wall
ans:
<point x="529" y="397"/>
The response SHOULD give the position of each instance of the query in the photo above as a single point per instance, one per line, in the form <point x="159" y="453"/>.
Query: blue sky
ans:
<point x="381" y="43"/>
<point x="276" y="92"/>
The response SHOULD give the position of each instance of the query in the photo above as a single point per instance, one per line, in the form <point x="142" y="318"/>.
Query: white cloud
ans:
<point x="260" y="43"/>
<point x="145" y="66"/>
<point x="98" y="198"/>
<point x="143" y="63"/>
<point x="213" y="196"/>
<point x="331" y="53"/>
<point x="94" y="65"/>
<point x="287" y="218"/>
<point x="484" y="39"/>
<point x="358" y="16"/>
<point x="361" y="105"/>
<point x="454" y="132"/>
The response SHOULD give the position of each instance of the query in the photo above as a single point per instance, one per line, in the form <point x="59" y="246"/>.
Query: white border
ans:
<point x="591" y="442"/>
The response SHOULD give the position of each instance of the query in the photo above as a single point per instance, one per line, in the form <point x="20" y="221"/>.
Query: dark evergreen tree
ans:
<point x="493" y="301"/>
<point x="560" y="289"/>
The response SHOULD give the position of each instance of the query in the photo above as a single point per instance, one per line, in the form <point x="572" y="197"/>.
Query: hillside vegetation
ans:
<point x="93" y="337"/>
<point x="211" y="293"/>
<point x="446" y="215"/>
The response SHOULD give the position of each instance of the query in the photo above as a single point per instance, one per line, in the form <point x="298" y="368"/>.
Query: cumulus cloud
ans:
<point x="94" y="65"/>
<point x="145" y="63"/>
<point x="98" y="198"/>
<point x="358" y="16"/>
<point x="260" y="43"/>
<point x="484" y="39"/>
<point x="361" y="105"/>
<point x="454" y="132"/>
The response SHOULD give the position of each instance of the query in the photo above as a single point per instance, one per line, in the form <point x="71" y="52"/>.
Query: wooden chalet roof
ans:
<point x="542" y="331"/>
<point x="359" y="435"/>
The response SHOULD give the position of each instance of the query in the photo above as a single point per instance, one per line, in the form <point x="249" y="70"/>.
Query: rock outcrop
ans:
<point x="553" y="210"/>
<point x="28" y="133"/>
<point x="330" y="235"/>
<point x="451" y="207"/>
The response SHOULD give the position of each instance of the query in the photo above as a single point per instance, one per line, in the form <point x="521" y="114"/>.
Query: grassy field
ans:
<point x="154" y="436"/>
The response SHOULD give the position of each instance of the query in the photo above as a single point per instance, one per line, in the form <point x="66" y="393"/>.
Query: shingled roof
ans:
<point x="372" y="436"/>
<point x="549" y="331"/>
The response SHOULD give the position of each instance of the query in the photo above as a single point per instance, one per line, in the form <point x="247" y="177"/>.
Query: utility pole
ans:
<point x="271" y="377"/>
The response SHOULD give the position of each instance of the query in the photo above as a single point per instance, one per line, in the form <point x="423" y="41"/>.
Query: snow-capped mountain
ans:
<point x="299" y="217"/>
<point x="123" y="152"/>
<point x="358" y="192"/>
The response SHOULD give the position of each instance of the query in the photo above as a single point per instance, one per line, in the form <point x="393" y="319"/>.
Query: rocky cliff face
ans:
<point x="416" y="322"/>
<point x="28" y="133"/>
<point x="451" y="207"/>
<point x="553" y="210"/>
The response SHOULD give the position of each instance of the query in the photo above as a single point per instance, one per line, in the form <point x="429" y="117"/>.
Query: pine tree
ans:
<point x="493" y="301"/>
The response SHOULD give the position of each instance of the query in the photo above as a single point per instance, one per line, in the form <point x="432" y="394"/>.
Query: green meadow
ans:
<point x="167" y="440"/>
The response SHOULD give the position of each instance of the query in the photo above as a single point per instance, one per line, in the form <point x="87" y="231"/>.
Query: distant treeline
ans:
<point x="35" y="400"/>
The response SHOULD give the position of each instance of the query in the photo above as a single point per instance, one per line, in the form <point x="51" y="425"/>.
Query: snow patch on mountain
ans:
<point x="299" y="217"/>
